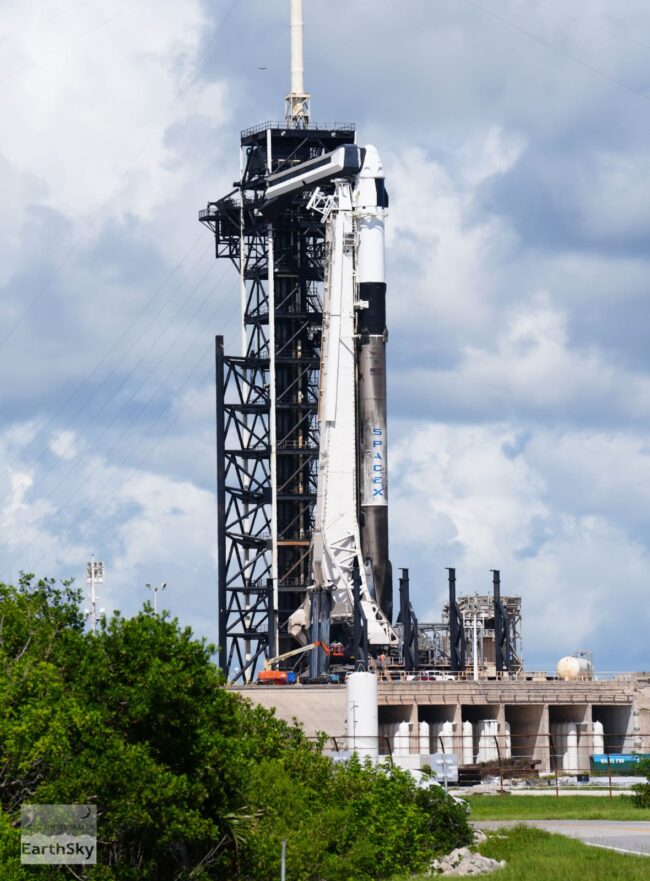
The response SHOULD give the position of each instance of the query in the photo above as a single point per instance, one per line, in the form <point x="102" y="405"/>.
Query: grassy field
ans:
<point x="533" y="855"/>
<point x="548" y="807"/>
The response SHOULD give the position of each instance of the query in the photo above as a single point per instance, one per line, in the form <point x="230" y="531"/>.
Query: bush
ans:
<point x="641" y="796"/>
<point x="348" y="821"/>
<point x="190" y="781"/>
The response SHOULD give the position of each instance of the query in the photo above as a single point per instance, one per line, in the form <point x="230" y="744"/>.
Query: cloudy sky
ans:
<point x="515" y="139"/>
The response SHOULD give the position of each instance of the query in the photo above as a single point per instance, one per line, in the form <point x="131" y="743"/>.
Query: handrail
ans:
<point x="263" y="126"/>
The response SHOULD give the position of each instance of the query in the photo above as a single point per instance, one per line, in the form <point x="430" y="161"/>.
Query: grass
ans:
<point x="549" y="807"/>
<point x="534" y="855"/>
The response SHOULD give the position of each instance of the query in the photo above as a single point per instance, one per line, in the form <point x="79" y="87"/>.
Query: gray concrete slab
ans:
<point x="622" y="835"/>
<point x="319" y="708"/>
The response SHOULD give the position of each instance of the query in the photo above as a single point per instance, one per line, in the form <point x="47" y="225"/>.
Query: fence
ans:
<point x="567" y="757"/>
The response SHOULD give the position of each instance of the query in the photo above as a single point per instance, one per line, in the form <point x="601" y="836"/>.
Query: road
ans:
<point x="628" y="836"/>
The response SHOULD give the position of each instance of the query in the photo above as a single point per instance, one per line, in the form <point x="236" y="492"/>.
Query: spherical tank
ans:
<point x="572" y="668"/>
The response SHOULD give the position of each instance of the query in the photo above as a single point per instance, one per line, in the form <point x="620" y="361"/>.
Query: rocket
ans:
<point x="370" y="208"/>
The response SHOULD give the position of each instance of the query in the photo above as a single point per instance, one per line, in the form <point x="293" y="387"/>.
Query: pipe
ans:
<point x="475" y="648"/>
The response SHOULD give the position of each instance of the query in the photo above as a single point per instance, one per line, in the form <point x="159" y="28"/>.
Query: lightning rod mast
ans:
<point x="297" y="102"/>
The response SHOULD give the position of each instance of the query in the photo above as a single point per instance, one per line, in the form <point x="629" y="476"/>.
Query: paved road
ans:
<point x="628" y="836"/>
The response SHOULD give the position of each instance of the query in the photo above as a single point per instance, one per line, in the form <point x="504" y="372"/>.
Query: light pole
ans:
<point x="94" y="576"/>
<point x="155" y="588"/>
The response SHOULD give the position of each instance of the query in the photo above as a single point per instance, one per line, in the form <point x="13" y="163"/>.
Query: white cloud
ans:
<point x="532" y="368"/>
<point x="578" y="565"/>
<point x="441" y="258"/>
<point x="62" y="443"/>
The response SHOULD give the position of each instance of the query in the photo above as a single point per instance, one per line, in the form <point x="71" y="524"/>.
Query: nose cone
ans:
<point x="372" y="164"/>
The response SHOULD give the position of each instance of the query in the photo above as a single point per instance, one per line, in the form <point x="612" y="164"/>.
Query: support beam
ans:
<point x="502" y="639"/>
<point x="456" y="629"/>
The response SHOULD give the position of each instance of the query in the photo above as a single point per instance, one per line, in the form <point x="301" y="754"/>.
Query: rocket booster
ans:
<point x="371" y="202"/>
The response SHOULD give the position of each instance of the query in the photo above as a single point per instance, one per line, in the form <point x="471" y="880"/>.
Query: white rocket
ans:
<point x="351" y="521"/>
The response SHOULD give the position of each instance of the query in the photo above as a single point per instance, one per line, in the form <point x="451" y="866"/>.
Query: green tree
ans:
<point x="190" y="782"/>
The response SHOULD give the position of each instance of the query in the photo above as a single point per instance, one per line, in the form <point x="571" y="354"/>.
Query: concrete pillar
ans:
<point x="458" y="733"/>
<point x="542" y="749"/>
<point x="413" y="720"/>
<point x="501" y="719"/>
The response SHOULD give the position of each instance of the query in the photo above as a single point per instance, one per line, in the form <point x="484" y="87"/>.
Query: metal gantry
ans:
<point x="267" y="397"/>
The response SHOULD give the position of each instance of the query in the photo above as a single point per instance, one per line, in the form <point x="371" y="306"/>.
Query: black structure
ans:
<point x="267" y="398"/>
<point x="359" y="647"/>
<point x="409" y="625"/>
<point x="502" y="638"/>
<point x="457" y="654"/>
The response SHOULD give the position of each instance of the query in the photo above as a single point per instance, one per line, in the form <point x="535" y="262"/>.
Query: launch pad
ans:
<point x="302" y="440"/>
<point x="305" y="582"/>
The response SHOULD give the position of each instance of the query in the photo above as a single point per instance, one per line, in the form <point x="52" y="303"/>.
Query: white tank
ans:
<point x="447" y="738"/>
<point x="598" y="735"/>
<point x="362" y="722"/>
<point x="424" y="742"/>
<point x="401" y="741"/>
<point x="572" y="748"/>
<point x="486" y="733"/>
<point x="468" y="744"/>
<point x="565" y="746"/>
<point x="572" y="668"/>
<point x="442" y="737"/>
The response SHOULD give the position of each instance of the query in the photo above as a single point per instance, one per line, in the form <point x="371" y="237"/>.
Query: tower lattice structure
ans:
<point x="267" y="398"/>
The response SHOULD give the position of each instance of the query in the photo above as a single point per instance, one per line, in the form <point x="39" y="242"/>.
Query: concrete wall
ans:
<point x="528" y="707"/>
<point x="318" y="708"/>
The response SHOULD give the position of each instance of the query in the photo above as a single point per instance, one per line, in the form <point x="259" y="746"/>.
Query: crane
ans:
<point x="270" y="663"/>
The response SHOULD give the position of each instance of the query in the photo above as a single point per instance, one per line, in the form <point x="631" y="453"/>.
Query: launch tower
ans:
<point x="267" y="397"/>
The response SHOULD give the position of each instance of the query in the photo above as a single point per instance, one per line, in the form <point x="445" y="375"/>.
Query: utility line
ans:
<point x="91" y="225"/>
<point x="591" y="24"/>
<point x="133" y="394"/>
<point x="71" y="42"/>
<point x="107" y="355"/>
<point x="90" y="504"/>
<point x="46" y="18"/>
<point x="128" y="427"/>
<point x="559" y="50"/>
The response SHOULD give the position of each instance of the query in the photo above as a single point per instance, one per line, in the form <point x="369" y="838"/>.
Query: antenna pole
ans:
<point x="297" y="101"/>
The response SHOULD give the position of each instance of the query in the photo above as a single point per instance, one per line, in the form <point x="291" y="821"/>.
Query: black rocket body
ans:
<point x="371" y="203"/>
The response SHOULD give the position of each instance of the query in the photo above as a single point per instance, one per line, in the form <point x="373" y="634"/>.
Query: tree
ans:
<point x="190" y="782"/>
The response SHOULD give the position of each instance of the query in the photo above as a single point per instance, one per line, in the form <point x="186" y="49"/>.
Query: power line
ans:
<point x="49" y="16"/>
<point x="134" y="393"/>
<point x="71" y="42"/>
<point x="91" y="503"/>
<point x="91" y="225"/>
<point x="559" y="50"/>
<point x="591" y="24"/>
<point x="126" y="377"/>
<point x="107" y="355"/>
<point x="55" y="516"/>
